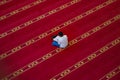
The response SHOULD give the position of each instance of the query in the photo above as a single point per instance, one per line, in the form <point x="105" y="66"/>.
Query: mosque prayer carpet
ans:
<point x="92" y="27"/>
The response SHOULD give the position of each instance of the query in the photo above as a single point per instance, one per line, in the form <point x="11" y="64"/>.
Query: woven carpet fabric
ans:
<point x="27" y="27"/>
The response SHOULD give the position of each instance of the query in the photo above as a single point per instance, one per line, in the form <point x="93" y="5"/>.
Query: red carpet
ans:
<point x="93" y="29"/>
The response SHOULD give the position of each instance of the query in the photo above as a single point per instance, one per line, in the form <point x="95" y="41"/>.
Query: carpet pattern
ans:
<point x="93" y="29"/>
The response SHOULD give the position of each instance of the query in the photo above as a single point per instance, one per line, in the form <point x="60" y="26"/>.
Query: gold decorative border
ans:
<point x="57" y="50"/>
<point x="88" y="59"/>
<point x="43" y="35"/>
<point x="4" y="2"/>
<point x="112" y="73"/>
<point x="21" y="9"/>
<point x="26" y="24"/>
